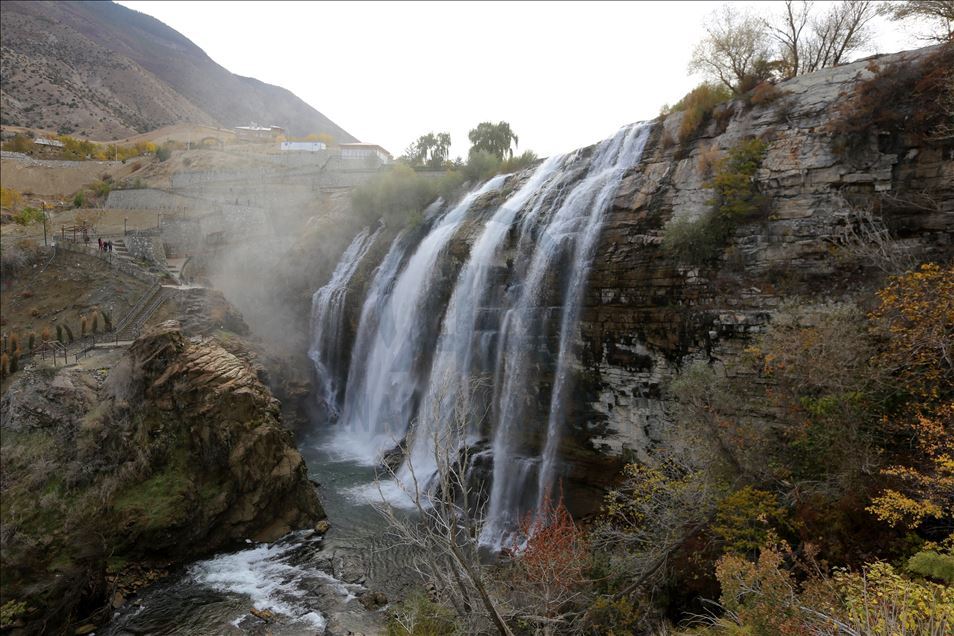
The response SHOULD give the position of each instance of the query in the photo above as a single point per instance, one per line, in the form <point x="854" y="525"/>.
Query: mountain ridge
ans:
<point x="101" y="70"/>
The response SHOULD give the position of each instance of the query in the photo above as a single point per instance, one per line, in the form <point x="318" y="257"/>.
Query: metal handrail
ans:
<point x="137" y="307"/>
<point x="149" y="311"/>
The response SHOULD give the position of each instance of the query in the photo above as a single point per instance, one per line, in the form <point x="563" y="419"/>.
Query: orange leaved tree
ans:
<point x="550" y="566"/>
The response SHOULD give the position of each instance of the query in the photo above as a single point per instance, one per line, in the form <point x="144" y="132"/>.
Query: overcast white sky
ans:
<point x="564" y="74"/>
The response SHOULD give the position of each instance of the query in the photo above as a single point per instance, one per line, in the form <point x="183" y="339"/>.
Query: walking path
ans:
<point x="127" y="329"/>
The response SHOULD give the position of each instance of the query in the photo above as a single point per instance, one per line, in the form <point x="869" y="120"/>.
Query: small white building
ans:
<point x="254" y="132"/>
<point x="366" y="150"/>
<point x="303" y="146"/>
<point x="52" y="143"/>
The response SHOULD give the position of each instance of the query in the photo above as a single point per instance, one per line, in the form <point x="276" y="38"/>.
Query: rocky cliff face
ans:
<point x="149" y="457"/>
<point x="648" y="314"/>
<point x="837" y="170"/>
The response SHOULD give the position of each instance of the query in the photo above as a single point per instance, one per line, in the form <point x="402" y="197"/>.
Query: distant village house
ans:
<point x="254" y="132"/>
<point x="303" y="146"/>
<point x="366" y="150"/>
<point x="50" y="143"/>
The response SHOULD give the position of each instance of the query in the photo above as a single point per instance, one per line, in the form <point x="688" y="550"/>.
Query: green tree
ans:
<point x="497" y="139"/>
<point x="430" y="150"/>
<point x="747" y="519"/>
<point x="441" y="150"/>
<point x="163" y="152"/>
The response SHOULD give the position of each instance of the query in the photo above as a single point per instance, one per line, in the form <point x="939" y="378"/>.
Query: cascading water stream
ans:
<point x="629" y="155"/>
<point x="379" y="406"/>
<point x="327" y="309"/>
<point x="451" y="369"/>
<point x="371" y="310"/>
<point x="571" y="234"/>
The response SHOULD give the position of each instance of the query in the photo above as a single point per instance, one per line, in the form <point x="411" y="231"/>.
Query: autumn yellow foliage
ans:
<point x="764" y="598"/>
<point x="926" y="489"/>
<point x="916" y="320"/>
<point x="881" y="602"/>
<point x="916" y="317"/>
<point x="9" y="198"/>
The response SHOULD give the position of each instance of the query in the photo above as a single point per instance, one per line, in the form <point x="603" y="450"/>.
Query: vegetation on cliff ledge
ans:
<point x="735" y="199"/>
<point x="810" y="493"/>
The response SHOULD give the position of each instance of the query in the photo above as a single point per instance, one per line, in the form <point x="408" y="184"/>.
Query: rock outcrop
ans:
<point x="149" y="457"/>
<point x="649" y="314"/>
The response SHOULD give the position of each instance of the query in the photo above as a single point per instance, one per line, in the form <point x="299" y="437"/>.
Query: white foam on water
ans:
<point x="262" y="575"/>
<point x="388" y="491"/>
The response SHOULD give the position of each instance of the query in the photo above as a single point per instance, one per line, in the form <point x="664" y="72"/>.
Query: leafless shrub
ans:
<point x="653" y="512"/>
<point x="443" y="534"/>
<point x="865" y="237"/>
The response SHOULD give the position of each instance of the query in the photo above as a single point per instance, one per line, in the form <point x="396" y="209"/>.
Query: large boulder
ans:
<point x="142" y="458"/>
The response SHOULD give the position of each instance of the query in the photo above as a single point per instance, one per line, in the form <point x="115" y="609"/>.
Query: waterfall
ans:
<point x="327" y="313"/>
<point x="628" y="156"/>
<point x="451" y="370"/>
<point x="510" y="320"/>
<point x="379" y="406"/>
<point x="569" y="237"/>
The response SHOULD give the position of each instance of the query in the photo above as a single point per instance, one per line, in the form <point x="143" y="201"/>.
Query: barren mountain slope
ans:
<point x="101" y="70"/>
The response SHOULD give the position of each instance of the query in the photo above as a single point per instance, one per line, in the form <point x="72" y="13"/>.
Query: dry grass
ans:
<point x="709" y="157"/>
<point x="698" y="106"/>
<point x="764" y="93"/>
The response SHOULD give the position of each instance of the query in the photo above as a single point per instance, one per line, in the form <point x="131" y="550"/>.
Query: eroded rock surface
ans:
<point x="156" y="455"/>
<point x="648" y="314"/>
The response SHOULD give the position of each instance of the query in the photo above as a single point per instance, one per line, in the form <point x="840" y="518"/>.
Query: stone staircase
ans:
<point x="174" y="267"/>
<point x="120" y="250"/>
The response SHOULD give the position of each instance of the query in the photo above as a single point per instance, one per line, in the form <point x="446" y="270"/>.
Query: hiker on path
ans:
<point x="100" y="239"/>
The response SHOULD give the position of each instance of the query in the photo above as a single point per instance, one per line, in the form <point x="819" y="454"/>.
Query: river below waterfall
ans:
<point x="310" y="584"/>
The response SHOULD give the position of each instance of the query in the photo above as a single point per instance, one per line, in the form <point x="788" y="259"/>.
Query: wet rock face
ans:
<point x="162" y="453"/>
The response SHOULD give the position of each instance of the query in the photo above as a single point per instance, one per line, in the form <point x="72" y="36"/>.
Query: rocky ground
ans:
<point x="133" y="461"/>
